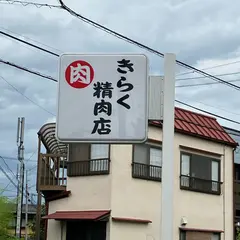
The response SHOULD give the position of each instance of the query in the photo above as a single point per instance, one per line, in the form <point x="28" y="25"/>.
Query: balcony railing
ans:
<point x="200" y="185"/>
<point x="88" y="167"/>
<point x="51" y="174"/>
<point x="146" y="171"/>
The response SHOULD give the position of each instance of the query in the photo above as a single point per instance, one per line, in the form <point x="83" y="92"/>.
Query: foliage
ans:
<point x="32" y="226"/>
<point x="238" y="234"/>
<point x="6" y="216"/>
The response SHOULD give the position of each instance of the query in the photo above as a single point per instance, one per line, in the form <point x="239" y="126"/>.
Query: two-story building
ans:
<point x="235" y="134"/>
<point x="103" y="191"/>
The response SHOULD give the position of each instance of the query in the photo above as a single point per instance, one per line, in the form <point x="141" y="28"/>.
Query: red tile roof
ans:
<point x="78" y="215"/>
<point x="199" y="125"/>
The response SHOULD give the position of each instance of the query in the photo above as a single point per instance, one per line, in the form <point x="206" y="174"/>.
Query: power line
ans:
<point x="25" y="3"/>
<point x="216" y="66"/>
<point x="8" y="35"/>
<point x="5" y="189"/>
<point x="30" y="100"/>
<point x="217" y="107"/>
<point x="129" y="40"/>
<point x="213" y="114"/>
<point x="15" y="159"/>
<point x="187" y="85"/>
<point x="30" y="44"/>
<point x="31" y="39"/>
<point x="33" y="153"/>
<point x="203" y="84"/>
<point x="8" y="167"/>
<point x="122" y="37"/>
<point x="10" y="179"/>
<point x="126" y="39"/>
<point x="27" y="70"/>
<point x="193" y="78"/>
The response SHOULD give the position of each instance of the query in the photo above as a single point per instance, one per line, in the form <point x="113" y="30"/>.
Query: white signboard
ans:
<point x="102" y="98"/>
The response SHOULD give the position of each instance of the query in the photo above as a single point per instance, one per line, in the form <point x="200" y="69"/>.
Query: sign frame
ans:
<point x="106" y="140"/>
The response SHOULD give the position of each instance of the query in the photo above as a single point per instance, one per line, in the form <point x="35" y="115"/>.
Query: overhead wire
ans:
<point x="217" y="75"/>
<point x="9" y="169"/>
<point x="136" y="43"/>
<point x="5" y="188"/>
<point x="27" y="70"/>
<point x="29" y="99"/>
<point x="27" y="3"/>
<point x="15" y="159"/>
<point x="14" y="184"/>
<point x="101" y="27"/>
<point x="28" y="43"/>
<point x="55" y="80"/>
<point x="55" y="54"/>
<point x="216" y="107"/>
<point x="203" y="84"/>
<point x="215" y="66"/>
<point x="213" y="114"/>
<point x="122" y="37"/>
<point x="31" y="39"/>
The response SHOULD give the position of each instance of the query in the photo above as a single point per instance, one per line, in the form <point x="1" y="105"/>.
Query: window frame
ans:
<point x="150" y="144"/>
<point x="213" y="158"/>
<point x="183" y="233"/>
<point x="84" y="167"/>
<point x="94" y="161"/>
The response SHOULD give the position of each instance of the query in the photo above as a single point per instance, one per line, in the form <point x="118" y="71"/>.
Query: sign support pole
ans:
<point x="168" y="148"/>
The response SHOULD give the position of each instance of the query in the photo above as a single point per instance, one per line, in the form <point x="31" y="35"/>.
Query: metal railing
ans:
<point x="200" y="185"/>
<point x="146" y="171"/>
<point x="88" y="167"/>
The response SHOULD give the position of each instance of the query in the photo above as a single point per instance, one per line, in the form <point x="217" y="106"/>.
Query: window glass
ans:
<point x="215" y="175"/>
<point x="155" y="157"/>
<point x="185" y="168"/>
<point x="215" y="236"/>
<point x="101" y="152"/>
<point x="141" y="153"/>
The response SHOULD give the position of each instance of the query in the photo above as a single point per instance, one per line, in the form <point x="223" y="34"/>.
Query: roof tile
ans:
<point x="200" y="125"/>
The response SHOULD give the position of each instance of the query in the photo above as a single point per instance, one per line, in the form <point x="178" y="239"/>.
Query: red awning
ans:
<point x="79" y="215"/>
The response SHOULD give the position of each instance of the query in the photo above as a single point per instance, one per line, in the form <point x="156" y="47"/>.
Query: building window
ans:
<point x="89" y="159"/>
<point x="99" y="157"/>
<point x="198" y="235"/>
<point x="200" y="173"/>
<point x="147" y="161"/>
<point x="183" y="235"/>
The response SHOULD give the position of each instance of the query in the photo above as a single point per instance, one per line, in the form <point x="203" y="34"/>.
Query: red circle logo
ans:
<point x="79" y="74"/>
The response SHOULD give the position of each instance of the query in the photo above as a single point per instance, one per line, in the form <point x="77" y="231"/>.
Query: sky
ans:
<point x="203" y="34"/>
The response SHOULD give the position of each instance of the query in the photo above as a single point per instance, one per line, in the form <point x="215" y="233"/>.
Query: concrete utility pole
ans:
<point x="26" y="207"/>
<point x="20" y="144"/>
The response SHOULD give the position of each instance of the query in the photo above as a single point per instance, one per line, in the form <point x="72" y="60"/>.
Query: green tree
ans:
<point x="6" y="216"/>
<point x="238" y="234"/>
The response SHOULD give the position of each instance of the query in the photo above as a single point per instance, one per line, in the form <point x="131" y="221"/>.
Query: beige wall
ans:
<point x="136" y="198"/>
<point x="87" y="193"/>
<point x="142" y="199"/>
